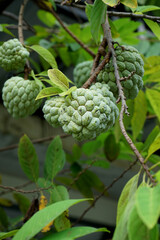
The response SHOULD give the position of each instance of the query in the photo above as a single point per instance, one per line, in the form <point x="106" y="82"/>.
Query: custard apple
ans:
<point x="51" y="110"/>
<point x="128" y="60"/>
<point x="13" y="55"/>
<point x="103" y="88"/>
<point x="82" y="72"/>
<point x="19" y="97"/>
<point x="86" y="113"/>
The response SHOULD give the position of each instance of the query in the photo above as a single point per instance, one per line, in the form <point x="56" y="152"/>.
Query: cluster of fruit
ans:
<point x="84" y="113"/>
<point x="18" y="94"/>
<point x="129" y="63"/>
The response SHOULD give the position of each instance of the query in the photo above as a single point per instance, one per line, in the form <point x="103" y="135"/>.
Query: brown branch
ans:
<point x="133" y="15"/>
<point x="118" y="14"/>
<point x="26" y="25"/>
<point x="107" y="33"/>
<point x="101" y="52"/>
<point x="17" y="187"/>
<point x="81" y="172"/>
<point x="97" y="71"/>
<point x="104" y="190"/>
<point x="20" y="21"/>
<point x="127" y="77"/>
<point x="45" y="7"/>
<point x="23" y="191"/>
<point x="39" y="140"/>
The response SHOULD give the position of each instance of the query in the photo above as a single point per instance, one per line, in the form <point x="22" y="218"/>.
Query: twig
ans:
<point x="97" y="71"/>
<point x="23" y="191"/>
<point x="17" y="187"/>
<point x="118" y="14"/>
<point x="39" y="140"/>
<point x="81" y="172"/>
<point x="27" y="67"/>
<point x="127" y="77"/>
<point x="101" y="52"/>
<point x="20" y="21"/>
<point x="124" y="107"/>
<point x="104" y="190"/>
<point x="133" y="15"/>
<point x="26" y="25"/>
<point x="44" y="6"/>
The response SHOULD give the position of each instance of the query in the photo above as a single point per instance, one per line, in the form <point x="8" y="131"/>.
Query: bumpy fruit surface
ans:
<point x="51" y="110"/>
<point x="82" y="72"/>
<point x="13" y="55"/>
<point x="86" y="113"/>
<point x="103" y="88"/>
<point x="128" y="61"/>
<point x="19" y="97"/>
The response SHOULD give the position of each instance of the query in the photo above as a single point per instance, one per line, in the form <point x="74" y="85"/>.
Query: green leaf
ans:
<point x="111" y="148"/>
<point x="62" y="222"/>
<point x="147" y="204"/>
<point x="3" y="28"/>
<point x="129" y="3"/>
<point x="43" y="217"/>
<point x="46" y="17"/>
<point x="154" y="146"/>
<point x="127" y="193"/>
<point x="88" y="10"/>
<point x="70" y="90"/>
<point x="23" y="202"/>
<point x="137" y="228"/>
<point x="150" y="138"/>
<point x="4" y="223"/>
<point x="55" y="159"/>
<point x="154" y="99"/>
<point x="154" y="27"/>
<point x="121" y="232"/>
<point x="28" y="158"/>
<point x="48" y="92"/>
<point x="4" y="235"/>
<point x="111" y="3"/>
<point x="146" y="8"/>
<point x="139" y="115"/>
<point x="59" y="79"/>
<point x="45" y="54"/>
<point x="74" y="233"/>
<point x="97" y="18"/>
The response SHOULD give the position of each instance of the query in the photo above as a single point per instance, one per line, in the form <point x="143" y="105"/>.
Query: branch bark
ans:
<point x="124" y="107"/>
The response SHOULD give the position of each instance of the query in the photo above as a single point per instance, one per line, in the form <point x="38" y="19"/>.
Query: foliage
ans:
<point x="138" y="208"/>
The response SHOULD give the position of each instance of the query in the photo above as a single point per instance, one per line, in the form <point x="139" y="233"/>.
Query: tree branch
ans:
<point x="39" y="140"/>
<point x="103" y="192"/>
<point x="23" y="191"/>
<point x="124" y="107"/>
<point x="42" y="5"/>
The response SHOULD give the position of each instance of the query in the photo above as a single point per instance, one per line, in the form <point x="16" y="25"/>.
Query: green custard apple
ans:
<point x="19" y="97"/>
<point x="51" y="110"/>
<point x="86" y="113"/>
<point x="128" y="61"/>
<point x="13" y="55"/>
<point x="82" y="72"/>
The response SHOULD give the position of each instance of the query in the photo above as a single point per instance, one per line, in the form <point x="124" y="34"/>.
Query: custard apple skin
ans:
<point x="13" y="55"/>
<point x="19" y="97"/>
<point x="86" y="113"/>
<point x="104" y="89"/>
<point x="82" y="72"/>
<point x="51" y="110"/>
<point x="128" y="60"/>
